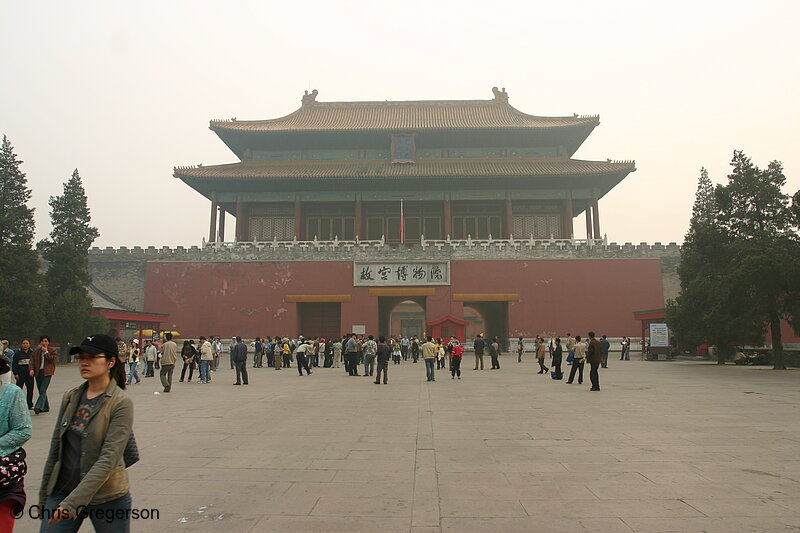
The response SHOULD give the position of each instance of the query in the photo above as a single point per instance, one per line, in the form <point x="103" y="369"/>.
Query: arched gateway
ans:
<point x="344" y="210"/>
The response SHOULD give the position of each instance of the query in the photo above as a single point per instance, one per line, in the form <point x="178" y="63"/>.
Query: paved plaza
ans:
<point x="665" y="446"/>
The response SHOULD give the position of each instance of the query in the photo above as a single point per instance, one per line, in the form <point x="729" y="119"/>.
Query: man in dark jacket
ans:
<point x="605" y="346"/>
<point x="239" y="358"/>
<point x="594" y="355"/>
<point x="479" y="345"/>
<point x="383" y="355"/>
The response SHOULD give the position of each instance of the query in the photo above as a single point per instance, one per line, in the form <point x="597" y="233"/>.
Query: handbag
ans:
<point x="12" y="468"/>
<point x="131" y="454"/>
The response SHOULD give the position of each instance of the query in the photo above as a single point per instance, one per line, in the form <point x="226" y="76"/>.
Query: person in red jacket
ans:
<point x="456" y="353"/>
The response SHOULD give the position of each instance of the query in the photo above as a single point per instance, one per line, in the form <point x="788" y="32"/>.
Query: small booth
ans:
<point x="446" y="327"/>
<point x="655" y="333"/>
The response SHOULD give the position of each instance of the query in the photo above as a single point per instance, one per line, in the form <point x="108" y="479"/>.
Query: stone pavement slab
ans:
<point x="665" y="447"/>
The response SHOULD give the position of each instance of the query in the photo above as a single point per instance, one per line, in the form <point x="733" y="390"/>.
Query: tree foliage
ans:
<point x="21" y="288"/>
<point x="67" y="252"/>
<point x="739" y="267"/>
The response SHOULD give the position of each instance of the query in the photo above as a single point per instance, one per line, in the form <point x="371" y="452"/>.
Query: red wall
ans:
<point x="247" y="299"/>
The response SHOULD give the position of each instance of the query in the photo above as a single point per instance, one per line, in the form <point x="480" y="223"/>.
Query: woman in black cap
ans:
<point x="85" y="470"/>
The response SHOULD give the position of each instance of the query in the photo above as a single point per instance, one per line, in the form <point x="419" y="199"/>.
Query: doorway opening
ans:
<point x="399" y="315"/>
<point x="489" y="318"/>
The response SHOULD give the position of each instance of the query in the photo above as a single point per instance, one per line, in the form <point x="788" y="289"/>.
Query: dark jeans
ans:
<point x="542" y="368"/>
<point x="351" y="363"/>
<point x="455" y="366"/>
<point x="190" y="366"/>
<point x="495" y="362"/>
<point x="383" y="366"/>
<point x="150" y="371"/>
<point x="605" y="360"/>
<point x="302" y="362"/>
<point x="26" y="380"/>
<point x="557" y="367"/>
<point x="287" y="360"/>
<point x="166" y="376"/>
<point x="415" y="354"/>
<point x="42" y="382"/>
<point x="429" y="372"/>
<point x="576" y="367"/>
<point x="404" y="352"/>
<point x="98" y="514"/>
<point x="594" y="376"/>
<point x="241" y="371"/>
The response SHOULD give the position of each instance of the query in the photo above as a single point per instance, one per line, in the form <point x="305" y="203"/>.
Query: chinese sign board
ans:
<point x="401" y="273"/>
<point x="659" y="336"/>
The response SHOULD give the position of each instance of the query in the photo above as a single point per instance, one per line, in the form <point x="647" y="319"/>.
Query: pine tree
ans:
<point x="739" y="266"/>
<point x="704" y="207"/>
<point x="758" y="216"/>
<point x="21" y="287"/>
<point x="67" y="252"/>
<point x="706" y="310"/>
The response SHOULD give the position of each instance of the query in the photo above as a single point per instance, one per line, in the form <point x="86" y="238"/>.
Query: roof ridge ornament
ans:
<point x="500" y="96"/>
<point x="309" y="99"/>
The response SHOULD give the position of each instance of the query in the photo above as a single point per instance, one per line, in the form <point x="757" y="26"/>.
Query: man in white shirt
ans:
<point x="206" y="358"/>
<point x="150" y="356"/>
<point x="300" y="356"/>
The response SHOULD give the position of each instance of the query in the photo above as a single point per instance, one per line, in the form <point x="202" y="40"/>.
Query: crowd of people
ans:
<point x="93" y="426"/>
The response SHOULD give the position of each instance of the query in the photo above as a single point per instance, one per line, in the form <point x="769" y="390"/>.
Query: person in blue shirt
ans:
<point x="15" y="430"/>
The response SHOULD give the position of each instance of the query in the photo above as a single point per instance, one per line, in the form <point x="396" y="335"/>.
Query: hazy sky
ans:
<point x="124" y="91"/>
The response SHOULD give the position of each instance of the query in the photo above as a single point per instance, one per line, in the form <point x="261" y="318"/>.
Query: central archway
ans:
<point x="401" y="315"/>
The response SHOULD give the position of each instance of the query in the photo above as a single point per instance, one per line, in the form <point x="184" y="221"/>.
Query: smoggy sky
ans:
<point x="124" y="91"/>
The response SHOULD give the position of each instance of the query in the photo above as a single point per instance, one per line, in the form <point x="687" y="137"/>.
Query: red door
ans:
<point x="320" y="319"/>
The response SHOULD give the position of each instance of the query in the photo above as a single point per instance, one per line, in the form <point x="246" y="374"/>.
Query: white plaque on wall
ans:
<point x="401" y="273"/>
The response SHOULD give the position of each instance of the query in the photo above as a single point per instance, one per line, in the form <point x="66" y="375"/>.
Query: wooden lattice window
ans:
<point x="537" y="226"/>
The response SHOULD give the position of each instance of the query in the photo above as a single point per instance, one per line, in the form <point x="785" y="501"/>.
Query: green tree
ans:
<point x="67" y="252"/>
<point x="738" y="271"/>
<point x="758" y="215"/>
<point x="21" y="287"/>
<point x="706" y="310"/>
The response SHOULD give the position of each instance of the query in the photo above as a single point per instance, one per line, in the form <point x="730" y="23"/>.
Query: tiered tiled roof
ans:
<point x="404" y="116"/>
<point x="434" y="168"/>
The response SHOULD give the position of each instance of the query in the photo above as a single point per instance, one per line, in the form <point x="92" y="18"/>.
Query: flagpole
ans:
<point x="402" y="224"/>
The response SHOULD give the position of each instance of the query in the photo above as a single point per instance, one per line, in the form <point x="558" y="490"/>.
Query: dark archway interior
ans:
<point x="495" y="320"/>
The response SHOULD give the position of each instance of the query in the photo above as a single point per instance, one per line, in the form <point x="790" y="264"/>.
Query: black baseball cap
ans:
<point x="95" y="344"/>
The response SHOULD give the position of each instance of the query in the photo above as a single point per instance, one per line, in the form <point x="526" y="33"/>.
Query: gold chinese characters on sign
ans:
<point x="401" y="274"/>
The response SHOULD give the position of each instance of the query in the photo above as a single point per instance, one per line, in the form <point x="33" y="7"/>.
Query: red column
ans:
<point x="509" y="220"/>
<point x="568" y="229"/>
<point x="212" y="232"/>
<point x="240" y="221"/>
<point x="298" y="220"/>
<point x="359" y="219"/>
<point x="588" y="221"/>
<point x="448" y="218"/>
<point x="595" y="219"/>
<point x="221" y="225"/>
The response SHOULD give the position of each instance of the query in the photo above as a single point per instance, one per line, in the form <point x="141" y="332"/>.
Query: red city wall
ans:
<point x="247" y="298"/>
